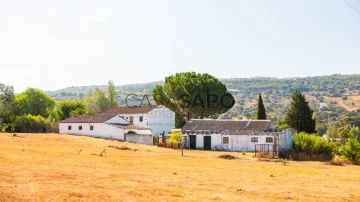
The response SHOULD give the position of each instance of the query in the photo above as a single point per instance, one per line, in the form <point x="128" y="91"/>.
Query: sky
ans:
<point x="56" y="44"/>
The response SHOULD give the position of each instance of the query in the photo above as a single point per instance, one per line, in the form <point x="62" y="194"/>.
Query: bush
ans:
<point x="175" y="140"/>
<point x="161" y="144"/>
<point x="312" y="147"/>
<point x="351" y="150"/>
<point x="33" y="124"/>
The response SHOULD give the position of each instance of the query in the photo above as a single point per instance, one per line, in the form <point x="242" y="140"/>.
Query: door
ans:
<point x="207" y="142"/>
<point x="192" y="141"/>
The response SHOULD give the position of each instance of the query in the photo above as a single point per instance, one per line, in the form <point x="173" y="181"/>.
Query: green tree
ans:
<point x="67" y="108"/>
<point x="112" y="94"/>
<point x="299" y="115"/>
<point x="351" y="150"/>
<point x="261" y="113"/>
<point x="348" y="131"/>
<point x="320" y="128"/>
<point x="97" y="102"/>
<point x="34" y="102"/>
<point x="194" y="95"/>
<point x="7" y="106"/>
<point x="179" y="121"/>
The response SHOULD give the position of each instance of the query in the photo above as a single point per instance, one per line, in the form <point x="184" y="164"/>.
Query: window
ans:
<point x="91" y="127"/>
<point x="269" y="139"/>
<point x="80" y="127"/>
<point x="141" y="118"/>
<point x="131" y="120"/>
<point x="225" y="140"/>
<point x="69" y="127"/>
<point x="254" y="139"/>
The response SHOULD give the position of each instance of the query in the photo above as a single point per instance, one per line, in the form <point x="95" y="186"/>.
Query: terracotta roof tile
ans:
<point x="87" y="119"/>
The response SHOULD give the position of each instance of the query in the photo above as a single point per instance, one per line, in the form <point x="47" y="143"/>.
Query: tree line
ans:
<point x="35" y="111"/>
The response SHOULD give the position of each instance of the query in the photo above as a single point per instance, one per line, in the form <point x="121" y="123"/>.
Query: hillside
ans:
<point x="341" y="92"/>
<point x="49" y="167"/>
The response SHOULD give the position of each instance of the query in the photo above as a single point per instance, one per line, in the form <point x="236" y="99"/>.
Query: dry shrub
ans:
<point x="161" y="144"/>
<point x="120" y="148"/>
<point x="339" y="161"/>
<point x="227" y="156"/>
<point x="263" y="154"/>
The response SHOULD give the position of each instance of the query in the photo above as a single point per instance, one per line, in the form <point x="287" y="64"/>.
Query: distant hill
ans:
<point x="341" y="92"/>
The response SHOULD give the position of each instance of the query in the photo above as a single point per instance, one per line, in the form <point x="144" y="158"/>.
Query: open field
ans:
<point x="47" y="167"/>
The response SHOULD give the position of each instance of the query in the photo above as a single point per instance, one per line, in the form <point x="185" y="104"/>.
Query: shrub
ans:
<point x="131" y="132"/>
<point x="227" y="156"/>
<point x="175" y="140"/>
<point x="161" y="144"/>
<point x="351" y="150"/>
<point x="312" y="147"/>
<point x="33" y="124"/>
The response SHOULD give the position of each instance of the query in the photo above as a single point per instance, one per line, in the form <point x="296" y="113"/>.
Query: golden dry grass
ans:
<point x="47" y="167"/>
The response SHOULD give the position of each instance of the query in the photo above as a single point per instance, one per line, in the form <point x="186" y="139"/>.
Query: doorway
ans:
<point x="192" y="141"/>
<point x="207" y="142"/>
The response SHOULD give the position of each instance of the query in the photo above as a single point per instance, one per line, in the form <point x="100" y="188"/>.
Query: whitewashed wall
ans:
<point x="139" y="139"/>
<point x="236" y="142"/>
<point x="100" y="130"/>
<point x="286" y="140"/>
<point x="136" y="119"/>
<point x="161" y="119"/>
<point x="141" y="132"/>
<point x="239" y="142"/>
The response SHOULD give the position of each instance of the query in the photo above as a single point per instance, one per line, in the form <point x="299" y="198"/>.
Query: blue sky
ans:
<point x="55" y="44"/>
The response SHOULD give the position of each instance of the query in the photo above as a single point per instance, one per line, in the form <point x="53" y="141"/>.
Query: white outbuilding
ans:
<point x="236" y="135"/>
<point x="106" y="126"/>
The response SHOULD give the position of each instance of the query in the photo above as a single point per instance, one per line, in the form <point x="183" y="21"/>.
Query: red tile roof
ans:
<point x="88" y="119"/>
<point x="127" y="110"/>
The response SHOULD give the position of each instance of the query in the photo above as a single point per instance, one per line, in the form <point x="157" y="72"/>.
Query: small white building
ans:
<point x="323" y="105"/>
<point x="236" y="135"/>
<point x="158" y="119"/>
<point x="106" y="126"/>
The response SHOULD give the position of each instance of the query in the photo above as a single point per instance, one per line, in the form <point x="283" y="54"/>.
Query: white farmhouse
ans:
<point x="158" y="119"/>
<point x="236" y="135"/>
<point x="106" y="126"/>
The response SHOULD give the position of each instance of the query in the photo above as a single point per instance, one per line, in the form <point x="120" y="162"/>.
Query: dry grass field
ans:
<point x="47" y="167"/>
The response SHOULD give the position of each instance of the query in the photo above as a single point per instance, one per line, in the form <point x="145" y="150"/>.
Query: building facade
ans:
<point x="236" y="135"/>
<point x="158" y="119"/>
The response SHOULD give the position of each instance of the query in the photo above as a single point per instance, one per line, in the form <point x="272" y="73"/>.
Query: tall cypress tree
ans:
<point x="299" y="115"/>
<point x="261" y="114"/>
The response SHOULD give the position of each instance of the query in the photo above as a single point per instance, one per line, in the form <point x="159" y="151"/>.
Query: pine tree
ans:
<point x="261" y="114"/>
<point x="299" y="115"/>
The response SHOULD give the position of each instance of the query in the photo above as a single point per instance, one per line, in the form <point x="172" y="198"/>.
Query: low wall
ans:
<point x="139" y="139"/>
